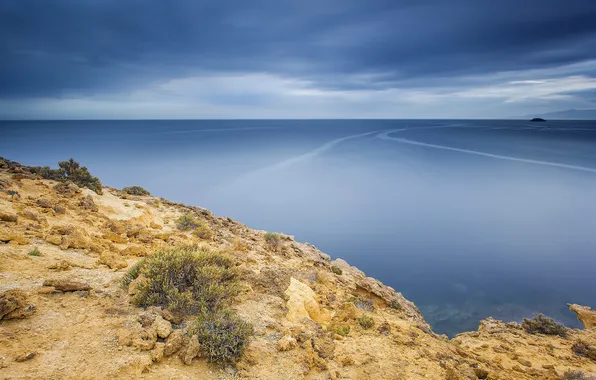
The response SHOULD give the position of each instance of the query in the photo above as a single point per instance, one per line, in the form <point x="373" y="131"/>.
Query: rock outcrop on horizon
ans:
<point x="64" y="312"/>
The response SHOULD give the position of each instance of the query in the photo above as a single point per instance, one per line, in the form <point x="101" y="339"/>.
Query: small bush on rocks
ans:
<point x="135" y="190"/>
<point x="576" y="375"/>
<point x="203" y="231"/>
<point x="362" y="303"/>
<point x="186" y="222"/>
<point x="274" y="239"/>
<point x="365" y="321"/>
<point x="543" y="325"/>
<point x="222" y="335"/>
<point x="585" y="350"/>
<point x="337" y="270"/>
<point x="342" y="330"/>
<point x="34" y="252"/>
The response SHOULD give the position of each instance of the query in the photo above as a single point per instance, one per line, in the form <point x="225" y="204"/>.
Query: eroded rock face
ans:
<point x="13" y="305"/>
<point x="112" y="259"/>
<point x="585" y="314"/>
<point x="302" y="303"/>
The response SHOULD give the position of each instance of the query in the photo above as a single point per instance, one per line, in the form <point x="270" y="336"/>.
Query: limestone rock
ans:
<point x="158" y="351"/>
<point x="585" y="314"/>
<point x="61" y="265"/>
<point x="302" y="303"/>
<point x="146" y="319"/>
<point x="13" y="305"/>
<point x="192" y="350"/>
<point x="114" y="237"/>
<point x="8" y="217"/>
<point x="113" y="260"/>
<point x="67" y="285"/>
<point x="134" y="250"/>
<point x="54" y="239"/>
<point x="13" y="237"/>
<point x="174" y="342"/>
<point x="163" y="327"/>
<point x="25" y="356"/>
<point x="286" y="343"/>
<point x="145" y="339"/>
<point x="44" y="203"/>
<point x="60" y="210"/>
<point x="67" y="189"/>
<point x="87" y="203"/>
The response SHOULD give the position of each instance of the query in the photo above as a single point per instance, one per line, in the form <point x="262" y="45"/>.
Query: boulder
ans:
<point x="192" y="350"/>
<point x="174" y="342"/>
<point x="158" y="351"/>
<point x="44" y="203"/>
<point x="22" y="357"/>
<point x="585" y="314"/>
<point x="162" y="327"/>
<point x="11" y="218"/>
<point x="87" y="203"/>
<point x="67" y="189"/>
<point x="302" y="303"/>
<point x="112" y="259"/>
<point x="134" y="250"/>
<point x="13" y="305"/>
<point x="286" y="343"/>
<point x="67" y="285"/>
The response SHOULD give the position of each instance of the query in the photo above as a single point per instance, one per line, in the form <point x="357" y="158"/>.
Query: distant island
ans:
<point x="538" y="119"/>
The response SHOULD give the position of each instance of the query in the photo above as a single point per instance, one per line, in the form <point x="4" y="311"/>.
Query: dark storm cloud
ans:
<point x="63" y="47"/>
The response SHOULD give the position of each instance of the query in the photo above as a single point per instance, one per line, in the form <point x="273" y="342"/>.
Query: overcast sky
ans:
<point x="295" y="59"/>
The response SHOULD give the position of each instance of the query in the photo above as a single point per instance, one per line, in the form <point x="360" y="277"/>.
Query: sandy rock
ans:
<point x="124" y="337"/>
<point x="585" y="314"/>
<point x="134" y="250"/>
<point x="13" y="305"/>
<point x="162" y="327"/>
<point x="286" y="343"/>
<point x="324" y="346"/>
<point x="113" y="260"/>
<point x="192" y="350"/>
<point x="22" y="357"/>
<point x="116" y="238"/>
<point x="133" y="287"/>
<point x="88" y="204"/>
<point x="145" y="339"/>
<point x="174" y="342"/>
<point x="67" y="285"/>
<point x="11" y="218"/>
<point x="67" y="189"/>
<point x="146" y="319"/>
<point x="60" y="210"/>
<point x="54" y="239"/>
<point x="155" y="226"/>
<point x="302" y="303"/>
<point x="61" y="265"/>
<point x="44" y="203"/>
<point x="158" y="351"/>
<point x="13" y="237"/>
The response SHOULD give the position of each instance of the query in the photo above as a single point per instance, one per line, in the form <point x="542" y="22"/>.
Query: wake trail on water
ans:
<point x="385" y="136"/>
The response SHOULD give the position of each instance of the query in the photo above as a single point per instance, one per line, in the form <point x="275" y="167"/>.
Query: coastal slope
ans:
<point x="65" y="314"/>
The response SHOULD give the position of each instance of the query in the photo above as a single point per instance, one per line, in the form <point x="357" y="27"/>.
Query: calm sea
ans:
<point x="468" y="219"/>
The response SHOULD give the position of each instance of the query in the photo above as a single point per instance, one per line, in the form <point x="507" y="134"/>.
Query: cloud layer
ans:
<point x="265" y="58"/>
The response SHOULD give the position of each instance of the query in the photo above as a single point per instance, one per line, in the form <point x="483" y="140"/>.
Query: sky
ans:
<point x="142" y="59"/>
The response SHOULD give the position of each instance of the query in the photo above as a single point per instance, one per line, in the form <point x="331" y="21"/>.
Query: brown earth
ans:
<point x="64" y="315"/>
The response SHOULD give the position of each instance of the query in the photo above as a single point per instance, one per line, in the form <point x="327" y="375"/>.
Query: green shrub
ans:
<point x="365" y="321"/>
<point x="576" y="375"/>
<point x="274" y="239"/>
<point x="203" y="231"/>
<point x="70" y="171"/>
<point x="337" y="270"/>
<point x="222" y="335"/>
<point x="135" y="190"/>
<point x="342" y="330"/>
<point x="543" y="325"/>
<point x="394" y="304"/>
<point x="585" y="350"/>
<point x="186" y="280"/>
<point x="34" y="252"/>
<point x="186" y="222"/>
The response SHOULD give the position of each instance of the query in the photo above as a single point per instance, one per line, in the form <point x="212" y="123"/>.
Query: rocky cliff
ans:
<point x="64" y="312"/>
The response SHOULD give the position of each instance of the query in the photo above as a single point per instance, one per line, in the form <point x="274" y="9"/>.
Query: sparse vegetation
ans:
<point x="543" y="325"/>
<point x="274" y="240"/>
<point x="34" y="252"/>
<point x="365" y="321"/>
<point x="223" y="336"/>
<point x="342" y="330"/>
<point x="186" y="222"/>
<point x="70" y="171"/>
<point x="187" y="280"/>
<point x="195" y="280"/>
<point x="135" y="190"/>
<point x="576" y="375"/>
<point x="362" y="302"/>
<point x="394" y="304"/>
<point x="203" y="231"/>
<point x="337" y="270"/>
<point x="585" y="350"/>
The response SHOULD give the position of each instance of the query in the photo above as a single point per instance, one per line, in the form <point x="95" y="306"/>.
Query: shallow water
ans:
<point x="468" y="219"/>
